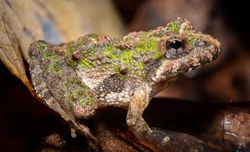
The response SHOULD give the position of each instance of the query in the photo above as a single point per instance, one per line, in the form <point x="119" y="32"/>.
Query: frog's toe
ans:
<point x="159" y="138"/>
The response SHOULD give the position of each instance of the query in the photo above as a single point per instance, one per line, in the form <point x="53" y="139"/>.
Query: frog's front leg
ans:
<point x="155" y="138"/>
<point x="136" y="108"/>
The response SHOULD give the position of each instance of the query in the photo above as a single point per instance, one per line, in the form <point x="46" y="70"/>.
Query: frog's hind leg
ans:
<point x="44" y="95"/>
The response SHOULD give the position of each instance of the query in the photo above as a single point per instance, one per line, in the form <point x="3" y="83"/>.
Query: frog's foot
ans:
<point x="157" y="140"/>
<point x="153" y="139"/>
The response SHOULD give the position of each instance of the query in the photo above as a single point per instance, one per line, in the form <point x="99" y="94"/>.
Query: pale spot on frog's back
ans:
<point x="91" y="78"/>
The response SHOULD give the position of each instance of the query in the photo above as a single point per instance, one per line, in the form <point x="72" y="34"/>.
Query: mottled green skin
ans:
<point x="97" y="71"/>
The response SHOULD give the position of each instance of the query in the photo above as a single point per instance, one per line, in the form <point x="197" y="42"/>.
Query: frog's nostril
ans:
<point x="201" y="43"/>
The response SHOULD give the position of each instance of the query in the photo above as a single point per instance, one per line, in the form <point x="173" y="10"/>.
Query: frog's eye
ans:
<point x="174" y="48"/>
<point x="176" y="44"/>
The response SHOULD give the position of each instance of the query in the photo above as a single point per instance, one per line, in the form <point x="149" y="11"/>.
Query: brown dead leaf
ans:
<point x="10" y="54"/>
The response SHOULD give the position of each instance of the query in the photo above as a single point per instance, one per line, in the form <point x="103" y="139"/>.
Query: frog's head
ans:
<point x="183" y="49"/>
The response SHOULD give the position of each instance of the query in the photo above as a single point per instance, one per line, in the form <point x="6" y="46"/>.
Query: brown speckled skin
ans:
<point x="77" y="78"/>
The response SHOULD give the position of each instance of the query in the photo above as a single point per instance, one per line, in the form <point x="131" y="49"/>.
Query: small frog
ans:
<point x="77" y="78"/>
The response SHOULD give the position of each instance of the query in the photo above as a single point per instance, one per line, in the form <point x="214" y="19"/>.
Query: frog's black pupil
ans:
<point x="176" y="44"/>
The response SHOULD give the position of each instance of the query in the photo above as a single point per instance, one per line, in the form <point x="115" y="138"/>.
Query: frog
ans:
<point x="78" y="78"/>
